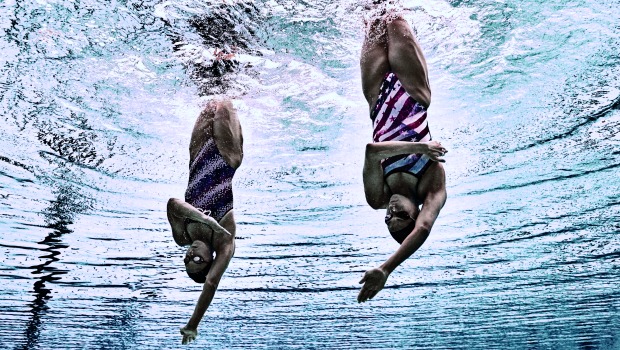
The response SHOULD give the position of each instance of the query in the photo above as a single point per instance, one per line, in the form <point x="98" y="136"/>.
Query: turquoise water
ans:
<point x="98" y="100"/>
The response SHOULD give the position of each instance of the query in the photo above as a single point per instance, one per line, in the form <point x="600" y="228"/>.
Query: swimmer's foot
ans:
<point x="379" y="13"/>
<point x="375" y="28"/>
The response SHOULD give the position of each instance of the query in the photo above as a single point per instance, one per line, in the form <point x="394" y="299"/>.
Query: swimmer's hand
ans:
<point x="373" y="280"/>
<point x="435" y="151"/>
<point x="189" y="335"/>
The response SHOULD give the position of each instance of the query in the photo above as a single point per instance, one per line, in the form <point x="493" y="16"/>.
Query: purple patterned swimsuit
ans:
<point x="210" y="182"/>
<point x="398" y="117"/>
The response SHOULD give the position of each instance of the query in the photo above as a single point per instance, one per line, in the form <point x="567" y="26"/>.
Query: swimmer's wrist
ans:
<point x="189" y="328"/>
<point x="426" y="148"/>
<point x="386" y="269"/>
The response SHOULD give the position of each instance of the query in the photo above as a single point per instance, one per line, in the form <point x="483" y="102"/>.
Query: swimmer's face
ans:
<point x="401" y="211"/>
<point x="197" y="257"/>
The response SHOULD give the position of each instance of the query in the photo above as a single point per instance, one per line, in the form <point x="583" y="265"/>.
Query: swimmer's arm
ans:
<point x="377" y="151"/>
<point x="178" y="210"/>
<point x="430" y="210"/>
<point x="374" y="279"/>
<point x="210" y="286"/>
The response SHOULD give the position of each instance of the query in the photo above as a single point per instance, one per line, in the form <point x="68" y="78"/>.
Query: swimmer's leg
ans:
<point x="228" y="134"/>
<point x="407" y="60"/>
<point x="375" y="189"/>
<point x="374" y="58"/>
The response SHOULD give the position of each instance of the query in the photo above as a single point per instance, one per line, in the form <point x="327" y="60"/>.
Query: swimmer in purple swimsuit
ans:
<point x="402" y="168"/>
<point x="204" y="221"/>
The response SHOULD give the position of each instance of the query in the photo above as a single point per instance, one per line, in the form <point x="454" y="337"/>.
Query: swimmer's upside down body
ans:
<point x="204" y="221"/>
<point x="402" y="167"/>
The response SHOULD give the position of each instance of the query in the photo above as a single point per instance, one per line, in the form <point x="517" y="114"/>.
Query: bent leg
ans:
<point x="374" y="61"/>
<point x="227" y="133"/>
<point x="407" y="60"/>
<point x="375" y="189"/>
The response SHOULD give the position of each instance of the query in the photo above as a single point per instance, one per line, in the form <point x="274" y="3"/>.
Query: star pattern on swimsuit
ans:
<point x="397" y="119"/>
<point x="391" y="102"/>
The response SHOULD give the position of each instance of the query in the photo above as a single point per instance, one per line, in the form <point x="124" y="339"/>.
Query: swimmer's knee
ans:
<point x="171" y="203"/>
<point x="374" y="202"/>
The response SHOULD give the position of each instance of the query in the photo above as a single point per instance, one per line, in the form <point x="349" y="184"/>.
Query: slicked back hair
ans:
<point x="200" y="276"/>
<point x="400" y="235"/>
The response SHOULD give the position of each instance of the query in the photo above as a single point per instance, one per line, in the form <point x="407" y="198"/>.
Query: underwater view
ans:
<point x="98" y="101"/>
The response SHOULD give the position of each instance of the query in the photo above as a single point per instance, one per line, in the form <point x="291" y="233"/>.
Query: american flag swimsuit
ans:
<point x="210" y="182"/>
<point x="398" y="117"/>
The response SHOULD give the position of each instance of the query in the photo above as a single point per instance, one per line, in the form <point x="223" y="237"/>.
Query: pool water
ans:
<point x="98" y="100"/>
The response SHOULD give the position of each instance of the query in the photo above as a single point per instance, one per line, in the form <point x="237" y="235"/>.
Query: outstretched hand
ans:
<point x="435" y="151"/>
<point x="189" y="335"/>
<point x="373" y="280"/>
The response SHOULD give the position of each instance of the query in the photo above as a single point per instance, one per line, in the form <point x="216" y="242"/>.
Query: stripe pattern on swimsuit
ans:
<point x="398" y="117"/>
<point x="210" y="182"/>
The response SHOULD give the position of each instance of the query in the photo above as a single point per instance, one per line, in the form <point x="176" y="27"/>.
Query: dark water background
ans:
<point x="98" y="99"/>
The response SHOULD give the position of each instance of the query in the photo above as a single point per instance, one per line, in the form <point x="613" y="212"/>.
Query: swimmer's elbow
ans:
<point x="424" y="228"/>
<point x="211" y="283"/>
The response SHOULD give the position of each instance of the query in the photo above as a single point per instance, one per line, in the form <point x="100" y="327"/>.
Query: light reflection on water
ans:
<point x="97" y="110"/>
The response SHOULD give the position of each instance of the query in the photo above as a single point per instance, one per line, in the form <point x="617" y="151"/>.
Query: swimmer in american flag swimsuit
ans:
<point x="204" y="221"/>
<point x="402" y="170"/>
